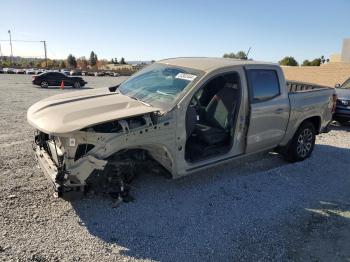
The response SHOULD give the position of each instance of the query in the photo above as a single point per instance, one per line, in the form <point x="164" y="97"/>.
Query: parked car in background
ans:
<point x="20" y="71"/>
<point x="87" y="73"/>
<point x="39" y="71"/>
<point x="116" y="74"/>
<point x="55" y="79"/>
<point x="75" y="72"/>
<point x="109" y="73"/>
<point x="100" y="73"/>
<point x="186" y="114"/>
<point x="1" y="70"/>
<point x="342" y="111"/>
<point x="30" y="71"/>
<point x="65" y="71"/>
<point x="9" y="70"/>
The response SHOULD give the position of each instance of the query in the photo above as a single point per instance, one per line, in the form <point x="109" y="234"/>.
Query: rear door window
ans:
<point x="264" y="84"/>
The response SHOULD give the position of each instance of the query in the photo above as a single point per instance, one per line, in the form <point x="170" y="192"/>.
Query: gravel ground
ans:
<point x="258" y="210"/>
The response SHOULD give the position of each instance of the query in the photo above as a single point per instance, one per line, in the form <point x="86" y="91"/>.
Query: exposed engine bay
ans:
<point x="85" y="161"/>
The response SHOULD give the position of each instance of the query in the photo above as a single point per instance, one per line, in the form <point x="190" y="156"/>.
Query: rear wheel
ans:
<point x="44" y="84"/>
<point x="302" y="143"/>
<point x="77" y="84"/>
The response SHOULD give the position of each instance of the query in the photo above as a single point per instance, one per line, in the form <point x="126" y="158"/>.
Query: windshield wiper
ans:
<point x="163" y="93"/>
<point x="135" y="98"/>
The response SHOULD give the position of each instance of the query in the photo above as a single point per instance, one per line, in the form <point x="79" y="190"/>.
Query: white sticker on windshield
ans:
<point x="187" y="77"/>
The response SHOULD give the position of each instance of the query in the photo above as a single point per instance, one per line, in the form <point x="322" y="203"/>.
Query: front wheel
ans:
<point x="44" y="84"/>
<point x="302" y="143"/>
<point x="77" y="85"/>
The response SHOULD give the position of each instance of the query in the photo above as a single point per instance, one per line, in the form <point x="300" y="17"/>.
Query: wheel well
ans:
<point x="138" y="156"/>
<point x="316" y="121"/>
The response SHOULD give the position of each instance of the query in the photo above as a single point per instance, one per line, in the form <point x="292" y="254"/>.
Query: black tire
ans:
<point x="77" y="84"/>
<point x="44" y="84"/>
<point x="302" y="144"/>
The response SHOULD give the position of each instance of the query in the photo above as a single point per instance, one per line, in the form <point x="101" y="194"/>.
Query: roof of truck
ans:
<point x="209" y="63"/>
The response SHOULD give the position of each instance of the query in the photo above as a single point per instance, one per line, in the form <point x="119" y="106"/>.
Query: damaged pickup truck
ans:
<point x="181" y="115"/>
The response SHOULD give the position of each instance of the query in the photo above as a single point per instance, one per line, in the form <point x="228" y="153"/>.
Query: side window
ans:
<point x="58" y="75"/>
<point x="264" y="84"/>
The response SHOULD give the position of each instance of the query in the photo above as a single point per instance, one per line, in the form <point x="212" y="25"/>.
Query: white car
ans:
<point x="9" y="70"/>
<point x="65" y="71"/>
<point x="20" y="71"/>
<point x="30" y="71"/>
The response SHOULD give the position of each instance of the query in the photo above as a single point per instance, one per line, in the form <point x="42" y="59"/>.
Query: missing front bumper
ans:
<point x="51" y="171"/>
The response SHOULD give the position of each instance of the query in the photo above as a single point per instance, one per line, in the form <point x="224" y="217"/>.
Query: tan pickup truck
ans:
<point x="182" y="115"/>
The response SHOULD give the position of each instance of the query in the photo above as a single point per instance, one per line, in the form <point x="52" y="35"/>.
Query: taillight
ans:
<point x="335" y="97"/>
<point x="33" y="77"/>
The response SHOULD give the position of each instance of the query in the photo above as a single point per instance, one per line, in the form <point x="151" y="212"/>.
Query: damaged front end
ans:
<point x="101" y="158"/>
<point x="110" y="176"/>
<point x="50" y="154"/>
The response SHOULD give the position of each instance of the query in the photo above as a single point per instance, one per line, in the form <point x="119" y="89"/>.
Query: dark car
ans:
<point x="342" y="111"/>
<point x="55" y="79"/>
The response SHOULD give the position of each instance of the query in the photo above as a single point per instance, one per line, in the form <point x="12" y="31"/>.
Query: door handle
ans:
<point x="279" y="110"/>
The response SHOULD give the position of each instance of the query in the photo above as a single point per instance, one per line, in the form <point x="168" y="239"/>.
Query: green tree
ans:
<point x="122" y="61"/>
<point x="324" y="60"/>
<point x="62" y="64"/>
<point x="82" y="62"/>
<point x="71" y="61"/>
<point x="241" y="55"/>
<point x="306" y="63"/>
<point x="93" y="59"/>
<point x="229" y="55"/>
<point x="315" y="62"/>
<point x="238" y="55"/>
<point x="288" y="61"/>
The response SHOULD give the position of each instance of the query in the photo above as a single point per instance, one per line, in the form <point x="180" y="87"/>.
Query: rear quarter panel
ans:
<point x="309" y="104"/>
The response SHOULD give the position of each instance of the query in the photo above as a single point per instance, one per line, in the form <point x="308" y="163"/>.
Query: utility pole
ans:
<point x="248" y="52"/>
<point x="9" y="31"/>
<point x="45" y="52"/>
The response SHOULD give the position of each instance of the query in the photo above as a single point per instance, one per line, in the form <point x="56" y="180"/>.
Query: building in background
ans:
<point x="344" y="56"/>
<point x="335" y="58"/>
<point x="345" y="52"/>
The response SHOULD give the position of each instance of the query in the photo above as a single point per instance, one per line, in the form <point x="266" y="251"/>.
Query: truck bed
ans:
<point x="296" y="86"/>
<point x="308" y="100"/>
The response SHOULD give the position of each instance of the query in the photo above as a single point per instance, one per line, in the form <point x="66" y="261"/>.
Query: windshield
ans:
<point x="346" y="84"/>
<point x="159" y="84"/>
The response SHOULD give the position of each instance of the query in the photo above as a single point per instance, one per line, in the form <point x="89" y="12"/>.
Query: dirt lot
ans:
<point x="262" y="209"/>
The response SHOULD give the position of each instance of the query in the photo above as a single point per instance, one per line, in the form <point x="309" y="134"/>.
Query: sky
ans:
<point x="154" y="29"/>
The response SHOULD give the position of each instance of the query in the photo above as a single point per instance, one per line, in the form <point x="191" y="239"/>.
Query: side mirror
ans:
<point x="337" y="85"/>
<point x="113" y="88"/>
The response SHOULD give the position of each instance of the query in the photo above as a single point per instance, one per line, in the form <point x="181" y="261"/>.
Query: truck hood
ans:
<point x="73" y="111"/>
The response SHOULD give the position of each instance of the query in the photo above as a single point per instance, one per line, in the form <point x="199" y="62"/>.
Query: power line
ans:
<point x="26" y="41"/>
<point x="34" y="41"/>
